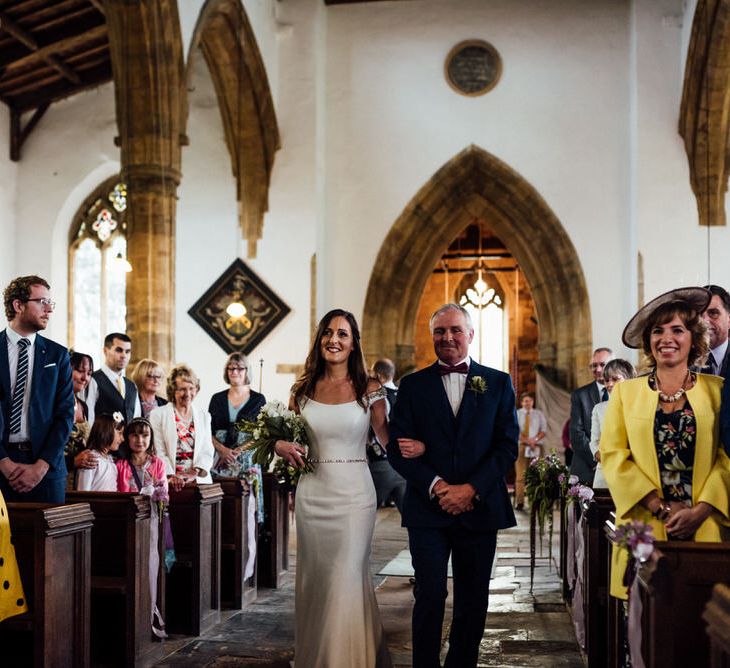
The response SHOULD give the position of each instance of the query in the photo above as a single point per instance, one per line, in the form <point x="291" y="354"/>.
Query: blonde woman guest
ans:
<point x="533" y="425"/>
<point x="148" y="376"/>
<point x="227" y="408"/>
<point x="182" y="431"/>
<point x="659" y="447"/>
<point x="614" y="372"/>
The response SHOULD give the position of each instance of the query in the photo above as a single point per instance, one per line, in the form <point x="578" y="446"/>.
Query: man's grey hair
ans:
<point x="451" y="307"/>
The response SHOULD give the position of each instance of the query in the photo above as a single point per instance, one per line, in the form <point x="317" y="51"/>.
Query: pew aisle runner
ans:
<point x="522" y="629"/>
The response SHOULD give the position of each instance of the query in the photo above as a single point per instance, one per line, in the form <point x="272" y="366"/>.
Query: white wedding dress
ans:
<point x="337" y="619"/>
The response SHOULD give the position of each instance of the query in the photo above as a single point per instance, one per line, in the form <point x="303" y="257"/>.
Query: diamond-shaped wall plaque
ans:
<point x="254" y="309"/>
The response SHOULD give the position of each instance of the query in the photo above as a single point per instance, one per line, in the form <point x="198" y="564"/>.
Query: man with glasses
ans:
<point x="582" y="402"/>
<point x="36" y="397"/>
<point x="109" y="391"/>
<point x="717" y="317"/>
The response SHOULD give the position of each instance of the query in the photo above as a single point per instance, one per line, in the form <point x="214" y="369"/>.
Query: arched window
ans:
<point x="97" y="268"/>
<point x="485" y="304"/>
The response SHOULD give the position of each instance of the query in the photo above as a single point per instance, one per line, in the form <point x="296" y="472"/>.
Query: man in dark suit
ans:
<point x="717" y="317"/>
<point x="109" y="391"/>
<point x="582" y="402"/>
<point x="453" y="438"/>
<point x="37" y="397"/>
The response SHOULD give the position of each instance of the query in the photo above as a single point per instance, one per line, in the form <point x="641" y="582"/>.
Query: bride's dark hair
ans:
<point x="314" y="366"/>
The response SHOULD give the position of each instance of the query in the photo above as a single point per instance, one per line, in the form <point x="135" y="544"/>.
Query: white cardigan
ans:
<point x="162" y="420"/>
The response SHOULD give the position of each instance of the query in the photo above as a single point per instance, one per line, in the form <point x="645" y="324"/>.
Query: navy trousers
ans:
<point x="472" y="554"/>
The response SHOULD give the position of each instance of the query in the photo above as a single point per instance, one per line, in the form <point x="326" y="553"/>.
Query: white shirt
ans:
<point x="600" y="387"/>
<point x="538" y="423"/>
<point x="13" y="338"/>
<point x="92" y="392"/>
<point x="719" y="355"/>
<point x="454" y="384"/>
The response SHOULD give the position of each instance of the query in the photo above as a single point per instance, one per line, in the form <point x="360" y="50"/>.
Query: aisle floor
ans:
<point x="522" y="629"/>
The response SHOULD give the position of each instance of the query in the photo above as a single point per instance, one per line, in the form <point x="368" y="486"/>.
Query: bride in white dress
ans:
<point x="337" y="619"/>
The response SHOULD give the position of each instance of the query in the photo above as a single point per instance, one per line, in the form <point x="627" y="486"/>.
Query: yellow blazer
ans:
<point x="629" y="461"/>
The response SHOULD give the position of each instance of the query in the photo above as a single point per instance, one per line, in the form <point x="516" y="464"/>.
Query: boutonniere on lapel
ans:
<point x="477" y="384"/>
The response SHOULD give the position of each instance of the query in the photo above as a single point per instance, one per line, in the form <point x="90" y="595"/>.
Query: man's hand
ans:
<point x="7" y="467"/>
<point x="455" y="499"/>
<point x="26" y="476"/>
<point x="411" y="448"/>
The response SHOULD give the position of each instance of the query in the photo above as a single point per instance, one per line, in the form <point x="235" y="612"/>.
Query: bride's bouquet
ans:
<point x="274" y="422"/>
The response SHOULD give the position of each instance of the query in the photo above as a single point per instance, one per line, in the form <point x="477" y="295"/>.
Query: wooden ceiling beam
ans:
<point x="19" y="134"/>
<point x="98" y="5"/>
<point x="68" y="44"/>
<point x="7" y="24"/>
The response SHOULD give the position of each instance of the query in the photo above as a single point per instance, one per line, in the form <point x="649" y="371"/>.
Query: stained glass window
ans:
<point x="487" y="314"/>
<point x="97" y="268"/>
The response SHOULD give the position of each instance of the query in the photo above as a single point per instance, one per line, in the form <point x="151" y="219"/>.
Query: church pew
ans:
<point x="717" y="616"/>
<point x="616" y="631"/>
<point x="273" y="547"/>
<point x="193" y="584"/>
<point x="676" y="583"/>
<point x="597" y="551"/>
<point x="236" y="592"/>
<point x="120" y="584"/>
<point x="53" y="548"/>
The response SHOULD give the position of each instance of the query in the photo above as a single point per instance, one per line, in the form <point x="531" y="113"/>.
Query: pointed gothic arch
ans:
<point x="477" y="184"/>
<point x="228" y="44"/>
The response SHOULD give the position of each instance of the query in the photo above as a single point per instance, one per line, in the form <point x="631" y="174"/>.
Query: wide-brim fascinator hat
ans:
<point x="695" y="298"/>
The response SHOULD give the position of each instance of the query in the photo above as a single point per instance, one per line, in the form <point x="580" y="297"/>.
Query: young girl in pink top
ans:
<point x="140" y="469"/>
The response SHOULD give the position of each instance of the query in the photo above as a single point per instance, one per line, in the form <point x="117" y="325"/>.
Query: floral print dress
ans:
<point x="674" y="437"/>
<point x="185" y="444"/>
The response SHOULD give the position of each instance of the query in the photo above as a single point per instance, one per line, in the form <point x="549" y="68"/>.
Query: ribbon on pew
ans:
<point x="251" y="529"/>
<point x="570" y="565"/>
<point x="577" y="575"/>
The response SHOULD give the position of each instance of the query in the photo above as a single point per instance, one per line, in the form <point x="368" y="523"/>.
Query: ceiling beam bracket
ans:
<point x="18" y="133"/>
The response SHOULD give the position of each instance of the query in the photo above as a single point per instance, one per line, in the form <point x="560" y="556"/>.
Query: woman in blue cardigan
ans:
<point x="227" y="408"/>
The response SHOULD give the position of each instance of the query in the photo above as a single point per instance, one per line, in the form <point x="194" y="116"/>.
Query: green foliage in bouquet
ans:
<point x="546" y="482"/>
<point x="275" y="422"/>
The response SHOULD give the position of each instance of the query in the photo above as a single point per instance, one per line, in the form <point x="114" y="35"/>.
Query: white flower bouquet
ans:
<point x="274" y="422"/>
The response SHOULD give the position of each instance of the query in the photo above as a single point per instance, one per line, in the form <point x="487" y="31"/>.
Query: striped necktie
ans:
<point x="16" y="410"/>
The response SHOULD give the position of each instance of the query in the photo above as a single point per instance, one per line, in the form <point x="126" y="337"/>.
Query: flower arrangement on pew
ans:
<point x="638" y="538"/>
<point x="576" y="491"/>
<point x="546" y="481"/>
<point x="273" y="423"/>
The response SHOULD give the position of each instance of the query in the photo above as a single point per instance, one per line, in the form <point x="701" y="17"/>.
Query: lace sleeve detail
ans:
<point x="372" y="397"/>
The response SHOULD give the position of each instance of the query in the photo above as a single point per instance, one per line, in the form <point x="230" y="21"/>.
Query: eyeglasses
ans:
<point x="154" y="376"/>
<point x="599" y="365"/>
<point x="44" y="302"/>
<point x="236" y="369"/>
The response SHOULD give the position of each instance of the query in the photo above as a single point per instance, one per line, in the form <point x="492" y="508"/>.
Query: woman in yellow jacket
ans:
<point x="659" y="446"/>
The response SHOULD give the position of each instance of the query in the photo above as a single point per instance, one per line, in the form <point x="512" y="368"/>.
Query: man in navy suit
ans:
<point x="453" y="438"/>
<point x="36" y="397"/>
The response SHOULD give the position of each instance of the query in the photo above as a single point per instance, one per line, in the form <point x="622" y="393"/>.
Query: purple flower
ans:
<point x="573" y="480"/>
<point x="561" y="478"/>
<point x="585" y="492"/>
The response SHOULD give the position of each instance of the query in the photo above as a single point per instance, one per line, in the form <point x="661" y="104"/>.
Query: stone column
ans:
<point x="148" y="66"/>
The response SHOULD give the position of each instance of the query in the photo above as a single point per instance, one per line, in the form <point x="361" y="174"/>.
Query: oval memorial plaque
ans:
<point x="473" y="67"/>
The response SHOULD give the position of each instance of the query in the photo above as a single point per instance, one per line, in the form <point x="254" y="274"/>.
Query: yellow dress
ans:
<point x="12" y="597"/>
<point x="631" y="468"/>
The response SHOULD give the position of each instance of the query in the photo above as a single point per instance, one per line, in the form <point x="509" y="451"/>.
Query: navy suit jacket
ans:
<point x="582" y="402"/>
<point x="51" y="409"/>
<point x="477" y="446"/>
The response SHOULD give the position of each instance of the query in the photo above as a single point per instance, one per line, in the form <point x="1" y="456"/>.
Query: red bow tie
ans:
<point x="459" y="368"/>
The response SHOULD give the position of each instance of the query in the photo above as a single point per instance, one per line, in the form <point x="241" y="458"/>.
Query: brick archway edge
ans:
<point x="476" y="184"/>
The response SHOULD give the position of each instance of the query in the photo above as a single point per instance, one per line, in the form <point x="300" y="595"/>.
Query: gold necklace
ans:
<point x="670" y="398"/>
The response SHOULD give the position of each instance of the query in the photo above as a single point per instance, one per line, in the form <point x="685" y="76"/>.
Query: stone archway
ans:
<point x="476" y="184"/>
<point x="228" y="44"/>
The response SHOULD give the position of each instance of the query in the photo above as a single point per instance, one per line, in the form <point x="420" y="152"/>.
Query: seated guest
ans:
<point x="182" y="431"/>
<point x="659" y="446"/>
<point x="139" y="468"/>
<point x="77" y="455"/>
<point x="106" y="436"/>
<point x="147" y="376"/>
<point x="533" y="426"/>
<point x="238" y="402"/>
<point x="614" y="372"/>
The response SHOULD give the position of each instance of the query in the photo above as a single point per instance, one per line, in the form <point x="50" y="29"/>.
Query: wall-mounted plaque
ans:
<point x="239" y="310"/>
<point x="473" y="67"/>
